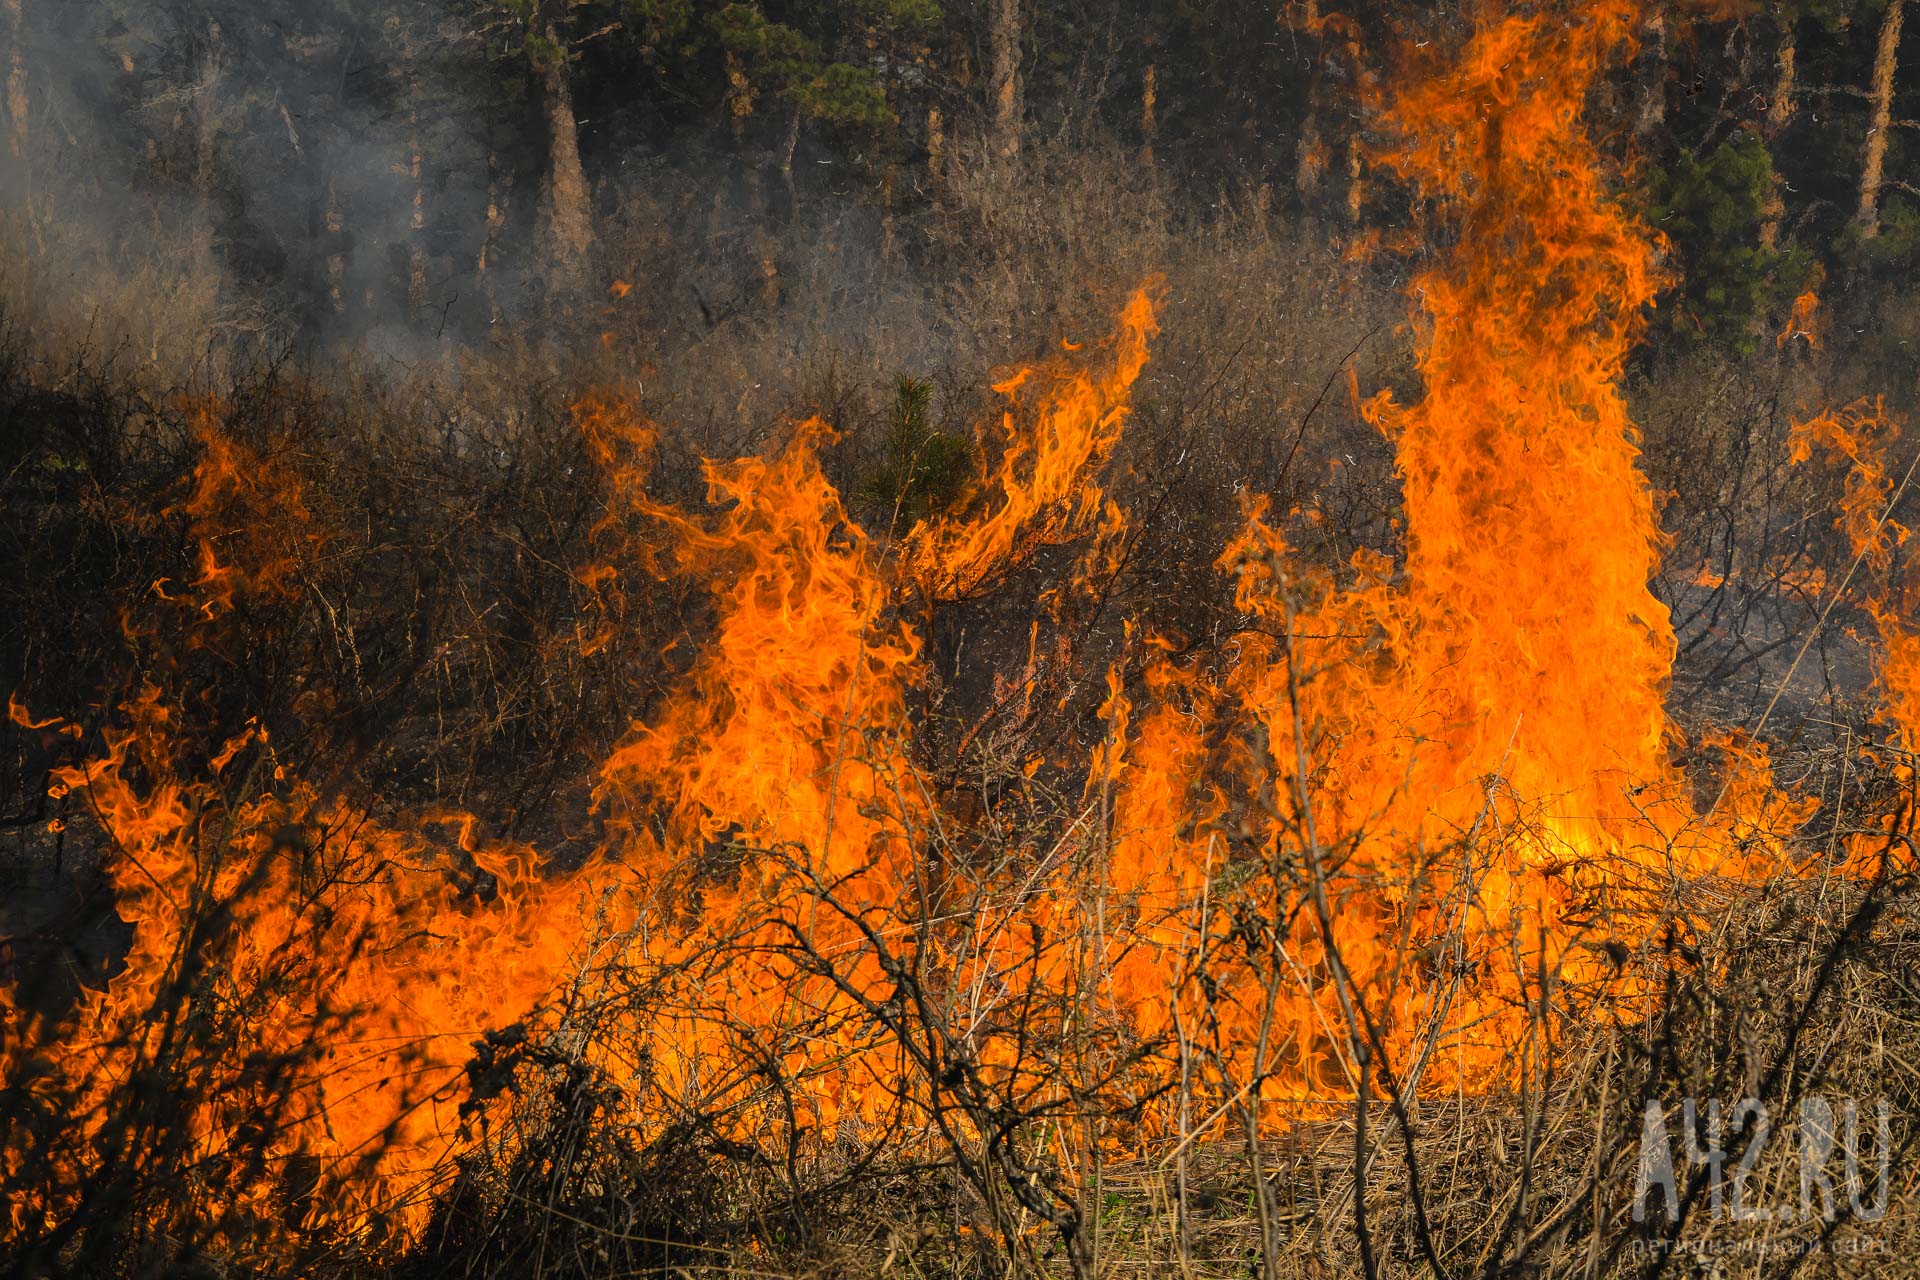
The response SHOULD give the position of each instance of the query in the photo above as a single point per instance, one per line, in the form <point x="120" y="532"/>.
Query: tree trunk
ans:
<point x="1650" y="78"/>
<point x="788" y="145"/>
<point x="1149" y="123"/>
<point x="499" y="190"/>
<point x="417" y="227"/>
<point x="205" y="108"/>
<point x="1356" y="180"/>
<point x="16" y="80"/>
<point x="769" y="264"/>
<point x="1310" y="154"/>
<point x="334" y="221"/>
<point x="1780" y="106"/>
<point x="1779" y="113"/>
<point x="1003" y="75"/>
<point x="1873" y="161"/>
<point x="416" y="240"/>
<point x="570" y="217"/>
<point x="887" y="245"/>
<point x="17" y="117"/>
<point x="1310" y="158"/>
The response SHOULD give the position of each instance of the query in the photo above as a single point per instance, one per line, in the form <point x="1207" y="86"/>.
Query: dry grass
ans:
<point x="435" y="635"/>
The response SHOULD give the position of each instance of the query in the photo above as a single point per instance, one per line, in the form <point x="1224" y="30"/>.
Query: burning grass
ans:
<point x="1356" y="933"/>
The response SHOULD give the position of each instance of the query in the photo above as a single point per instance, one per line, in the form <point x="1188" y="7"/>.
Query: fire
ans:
<point x="342" y="947"/>
<point x="1862" y="436"/>
<point x="1046" y="482"/>
<point x="1391" y="717"/>
<point x="765" y="811"/>
<point x="1802" y="320"/>
<point x="248" y="517"/>
<point x="1469" y="749"/>
<point x="1417" y="807"/>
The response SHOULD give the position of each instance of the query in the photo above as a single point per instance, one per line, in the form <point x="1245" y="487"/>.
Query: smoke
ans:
<point x="195" y="172"/>
<point x="206" y="178"/>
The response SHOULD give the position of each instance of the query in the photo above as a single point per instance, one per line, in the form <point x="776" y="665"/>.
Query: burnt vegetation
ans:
<point x="442" y="446"/>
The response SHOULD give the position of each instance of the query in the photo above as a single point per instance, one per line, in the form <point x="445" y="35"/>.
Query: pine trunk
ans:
<point x="1003" y="75"/>
<point x="417" y="228"/>
<point x="787" y="147"/>
<point x="1356" y="180"/>
<point x="334" y="223"/>
<point x="570" y="217"/>
<point x="499" y="189"/>
<point x="1650" y="79"/>
<point x="17" y="116"/>
<point x="1310" y="158"/>
<point x="1779" y="114"/>
<point x="1149" y="122"/>
<point x="16" y="80"/>
<point x="1873" y="160"/>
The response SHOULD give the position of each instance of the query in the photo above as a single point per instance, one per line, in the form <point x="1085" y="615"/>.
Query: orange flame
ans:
<point x="1471" y="748"/>
<point x="248" y="518"/>
<point x="1438" y="786"/>
<point x="1863" y="435"/>
<point x="1802" y="321"/>
<point x="1044" y="490"/>
<point x="345" y="946"/>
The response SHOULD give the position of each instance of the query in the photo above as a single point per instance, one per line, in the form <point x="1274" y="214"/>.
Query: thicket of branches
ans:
<point x="426" y="651"/>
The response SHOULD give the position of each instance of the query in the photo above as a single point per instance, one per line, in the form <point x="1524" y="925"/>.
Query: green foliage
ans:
<point x="921" y="471"/>
<point x="540" y="30"/>
<point x="542" y="50"/>
<point x="747" y="33"/>
<point x="844" y="95"/>
<point x="1898" y="244"/>
<point x="1712" y="210"/>
<point x="652" y="21"/>
<point x="1832" y="15"/>
<point x="800" y="67"/>
<point x="897" y="13"/>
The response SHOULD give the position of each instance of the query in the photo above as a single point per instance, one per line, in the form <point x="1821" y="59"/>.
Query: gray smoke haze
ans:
<point x="365" y="181"/>
<point x="358" y="178"/>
